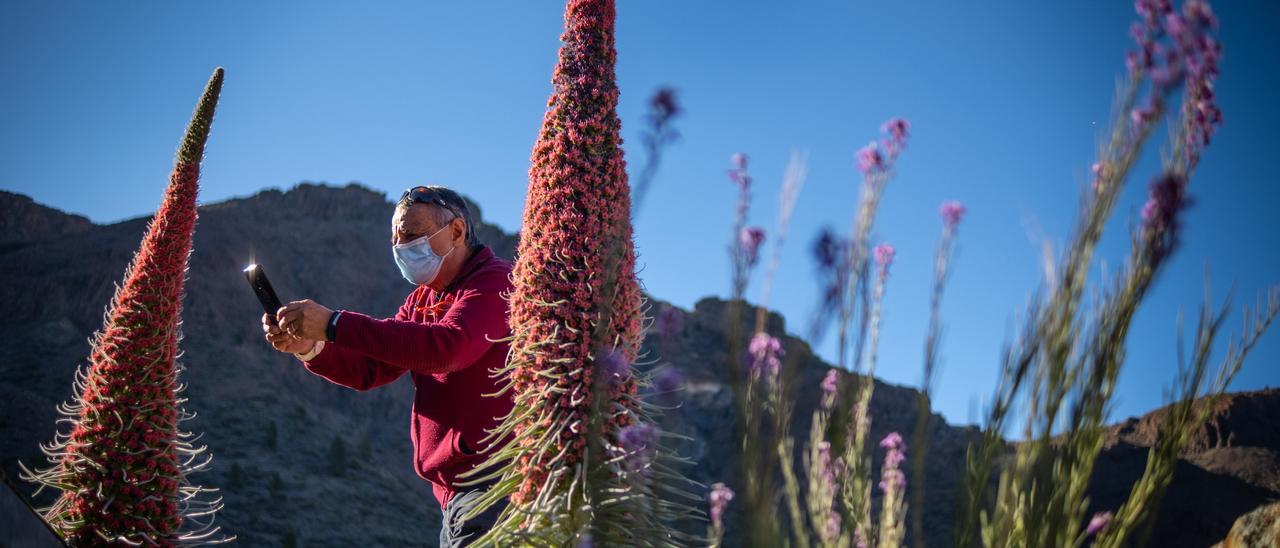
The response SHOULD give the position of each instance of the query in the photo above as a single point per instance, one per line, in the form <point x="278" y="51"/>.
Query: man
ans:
<point x="445" y="336"/>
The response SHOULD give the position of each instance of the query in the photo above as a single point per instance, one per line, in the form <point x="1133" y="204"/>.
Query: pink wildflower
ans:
<point x="719" y="500"/>
<point x="766" y="352"/>
<point x="830" y="385"/>
<point x="951" y="211"/>
<point x="1099" y="522"/>
<point x="884" y="254"/>
<point x="898" y="129"/>
<point x="870" y="160"/>
<point x="750" y="240"/>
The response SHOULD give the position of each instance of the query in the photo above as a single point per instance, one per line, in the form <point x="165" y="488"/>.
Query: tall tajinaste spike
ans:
<point x="576" y="322"/>
<point x="123" y="467"/>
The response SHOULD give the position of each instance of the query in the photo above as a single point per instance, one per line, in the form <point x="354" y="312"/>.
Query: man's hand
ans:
<point x="305" y="319"/>
<point x="282" y="341"/>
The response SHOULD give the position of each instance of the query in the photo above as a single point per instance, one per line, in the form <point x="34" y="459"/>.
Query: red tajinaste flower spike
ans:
<point x="125" y="419"/>
<point x="576" y="301"/>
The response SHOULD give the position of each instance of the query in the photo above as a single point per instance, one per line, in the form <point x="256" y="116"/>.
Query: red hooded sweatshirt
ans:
<point x="445" y="341"/>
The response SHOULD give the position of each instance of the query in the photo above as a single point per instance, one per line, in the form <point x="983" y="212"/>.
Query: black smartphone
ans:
<point x="262" y="288"/>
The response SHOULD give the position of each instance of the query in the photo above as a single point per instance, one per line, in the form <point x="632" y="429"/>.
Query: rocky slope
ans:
<point x="1231" y="467"/>
<point x="22" y="220"/>
<point x="302" y="461"/>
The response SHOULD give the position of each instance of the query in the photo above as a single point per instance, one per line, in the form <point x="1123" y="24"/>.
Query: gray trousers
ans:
<point x="453" y="531"/>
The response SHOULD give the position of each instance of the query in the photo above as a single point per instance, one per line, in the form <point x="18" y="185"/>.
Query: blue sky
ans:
<point x="1007" y="101"/>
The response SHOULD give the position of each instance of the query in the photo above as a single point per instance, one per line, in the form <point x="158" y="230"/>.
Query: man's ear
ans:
<point x="459" y="226"/>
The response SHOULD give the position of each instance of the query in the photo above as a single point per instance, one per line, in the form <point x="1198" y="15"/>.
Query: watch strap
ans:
<point x="331" y="329"/>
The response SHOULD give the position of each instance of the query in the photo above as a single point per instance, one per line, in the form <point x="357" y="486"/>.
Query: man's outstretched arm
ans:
<point x="455" y="341"/>
<point x="458" y="339"/>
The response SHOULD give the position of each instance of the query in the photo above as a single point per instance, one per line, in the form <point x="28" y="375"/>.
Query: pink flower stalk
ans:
<point x="832" y="526"/>
<point x="884" y="254"/>
<point x="1146" y="32"/>
<point x="892" y="479"/>
<point x="1161" y="215"/>
<point x="1167" y="197"/>
<point x="746" y="241"/>
<point x="1096" y="169"/>
<point x="766" y="353"/>
<point x="663" y="104"/>
<point x="1199" y="13"/>
<point x="739" y="174"/>
<point x="1203" y="114"/>
<point x="893" y="484"/>
<point x="829" y="250"/>
<point x="892" y="441"/>
<point x="898" y="130"/>
<point x="832" y="253"/>
<point x="830" y="387"/>
<point x="749" y="244"/>
<point x="951" y="212"/>
<point x="658" y="133"/>
<point x="122" y="478"/>
<point x="828" y="469"/>
<point x="870" y="160"/>
<point x="719" y="500"/>
<point x="1150" y="10"/>
<point x="1177" y="48"/>
<point x="1141" y="116"/>
<point x="1200" y="53"/>
<point x="1099" y="522"/>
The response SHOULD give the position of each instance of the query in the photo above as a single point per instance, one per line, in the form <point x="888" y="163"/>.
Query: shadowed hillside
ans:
<point x="23" y="221"/>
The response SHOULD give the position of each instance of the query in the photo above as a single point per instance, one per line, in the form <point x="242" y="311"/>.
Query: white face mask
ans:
<point x="417" y="261"/>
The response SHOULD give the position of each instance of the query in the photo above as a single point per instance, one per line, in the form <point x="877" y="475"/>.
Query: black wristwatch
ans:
<point x="331" y="330"/>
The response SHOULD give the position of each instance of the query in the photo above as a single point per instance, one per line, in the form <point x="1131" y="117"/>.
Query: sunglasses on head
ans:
<point x="424" y="195"/>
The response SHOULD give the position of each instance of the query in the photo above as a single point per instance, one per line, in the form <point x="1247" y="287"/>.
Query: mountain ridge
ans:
<point x="273" y="428"/>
